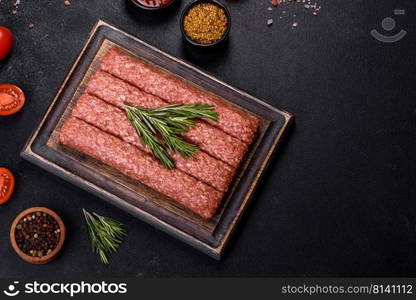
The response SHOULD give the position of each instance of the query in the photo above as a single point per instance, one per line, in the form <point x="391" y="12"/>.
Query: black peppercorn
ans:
<point x="37" y="234"/>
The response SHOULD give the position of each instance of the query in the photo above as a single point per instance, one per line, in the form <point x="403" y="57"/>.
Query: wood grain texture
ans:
<point x="209" y="236"/>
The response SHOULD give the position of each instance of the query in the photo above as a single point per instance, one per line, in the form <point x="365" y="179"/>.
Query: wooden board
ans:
<point x="209" y="236"/>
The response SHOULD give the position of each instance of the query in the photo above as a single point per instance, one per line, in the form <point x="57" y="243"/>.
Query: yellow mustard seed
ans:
<point x="205" y="23"/>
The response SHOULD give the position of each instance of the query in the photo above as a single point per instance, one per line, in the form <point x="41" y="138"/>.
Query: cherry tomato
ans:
<point x="12" y="99"/>
<point x="6" y="185"/>
<point x="6" y="42"/>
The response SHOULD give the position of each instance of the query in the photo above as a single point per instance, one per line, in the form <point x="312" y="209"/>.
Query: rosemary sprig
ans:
<point x="159" y="128"/>
<point x="188" y="111"/>
<point x="147" y="137"/>
<point x="106" y="234"/>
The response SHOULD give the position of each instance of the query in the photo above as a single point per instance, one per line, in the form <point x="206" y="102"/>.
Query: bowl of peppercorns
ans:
<point x="37" y="235"/>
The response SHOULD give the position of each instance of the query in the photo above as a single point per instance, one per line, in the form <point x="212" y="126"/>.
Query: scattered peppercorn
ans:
<point x="37" y="234"/>
<point x="205" y="23"/>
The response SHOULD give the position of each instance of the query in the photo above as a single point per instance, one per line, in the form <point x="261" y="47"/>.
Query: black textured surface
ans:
<point x="337" y="201"/>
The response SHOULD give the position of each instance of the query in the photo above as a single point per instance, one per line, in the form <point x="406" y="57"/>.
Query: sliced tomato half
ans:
<point x="12" y="99"/>
<point x="6" y="185"/>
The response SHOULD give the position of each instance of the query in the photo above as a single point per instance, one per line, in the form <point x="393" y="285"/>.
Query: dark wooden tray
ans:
<point x="209" y="236"/>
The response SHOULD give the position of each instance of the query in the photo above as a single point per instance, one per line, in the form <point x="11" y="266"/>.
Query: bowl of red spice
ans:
<point x="37" y="235"/>
<point x="151" y="5"/>
<point x="205" y="23"/>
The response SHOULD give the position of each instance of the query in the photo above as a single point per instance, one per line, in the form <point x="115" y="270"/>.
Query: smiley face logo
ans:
<point x="11" y="290"/>
<point x="389" y="24"/>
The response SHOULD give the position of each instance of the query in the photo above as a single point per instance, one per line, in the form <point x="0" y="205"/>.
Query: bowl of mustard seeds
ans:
<point x="205" y="23"/>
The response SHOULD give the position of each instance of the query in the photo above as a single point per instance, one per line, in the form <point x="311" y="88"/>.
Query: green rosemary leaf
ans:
<point x="106" y="234"/>
<point x="189" y="111"/>
<point x="159" y="128"/>
<point x="147" y="137"/>
<point x="185" y="149"/>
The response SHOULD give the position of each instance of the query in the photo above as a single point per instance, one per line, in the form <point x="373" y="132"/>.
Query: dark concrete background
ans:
<point x="339" y="199"/>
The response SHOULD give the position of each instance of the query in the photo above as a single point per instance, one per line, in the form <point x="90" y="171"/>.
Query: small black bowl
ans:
<point x="150" y="8"/>
<point x="192" y="4"/>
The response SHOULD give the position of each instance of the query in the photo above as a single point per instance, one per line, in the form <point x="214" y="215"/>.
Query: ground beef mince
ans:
<point x="113" y="120"/>
<point x="208" y="138"/>
<point x="116" y="91"/>
<point x="215" y="142"/>
<point x="99" y="127"/>
<point x="173" y="90"/>
<point x="128" y="159"/>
